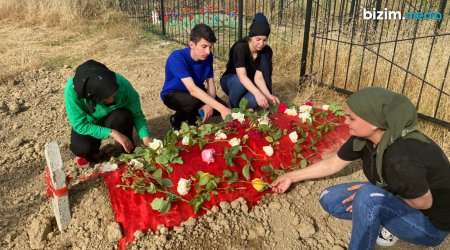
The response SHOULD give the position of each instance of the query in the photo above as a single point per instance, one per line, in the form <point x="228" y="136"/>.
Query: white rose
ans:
<point x="234" y="142"/>
<point x="184" y="186"/>
<point x="268" y="150"/>
<point x="291" y="111"/>
<point x="304" y="116"/>
<point x="176" y="132"/>
<point x="264" y="120"/>
<point x="185" y="140"/>
<point x="293" y="136"/>
<point x="304" y="108"/>
<point x="325" y="107"/>
<point x="220" y="135"/>
<point x="156" y="144"/>
<point x="136" y="164"/>
<point x="238" y="116"/>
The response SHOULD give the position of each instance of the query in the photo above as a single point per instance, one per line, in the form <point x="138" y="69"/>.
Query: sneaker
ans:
<point x="82" y="162"/>
<point x="385" y="238"/>
<point x="173" y="123"/>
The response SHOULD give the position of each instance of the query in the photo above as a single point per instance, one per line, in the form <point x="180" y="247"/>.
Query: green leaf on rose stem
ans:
<point x="178" y="160"/>
<point x="300" y="140"/>
<point x="206" y="196"/>
<point x="151" y="188"/>
<point x="161" y="205"/>
<point x="297" y="148"/>
<point x="165" y="183"/>
<point x="279" y="172"/>
<point x="169" y="169"/>
<point x="234" y="178"/>
<point x="246" y="171"/>
<point x="227" y="173"/>
<point x="203" y="180"/>
<point x="184" y="127"/>
<point x="202" y="142"/>
<point x="264" y="128"/>
<point x="294" y="160"/>
<point x="161" y="159"/>
<point x="285" y="132"/>
<point x="267" y="169"/>
<point x="276" y="135"/>
<point x="244" y="156"/>
<point x="214" y="192"/>
<point x="303" y="163"/>
<point x="299" y="155"/>
<point x="269" y="138"/>
<point x="243" y="104"/>
<point x="244" y="139"/>
<point x="149" y="166"/>
<point x="157" y="174"/>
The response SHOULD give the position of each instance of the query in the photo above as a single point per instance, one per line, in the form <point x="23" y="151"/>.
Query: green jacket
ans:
<point x="87" y="124"/>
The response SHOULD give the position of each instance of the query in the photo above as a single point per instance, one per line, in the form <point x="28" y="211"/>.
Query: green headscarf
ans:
<point x="389" y="111"/>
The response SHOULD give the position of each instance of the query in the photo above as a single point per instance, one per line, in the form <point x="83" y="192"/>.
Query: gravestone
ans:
<point x="60" y="197"/>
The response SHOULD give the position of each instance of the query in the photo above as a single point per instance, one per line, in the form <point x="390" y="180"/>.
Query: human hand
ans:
<point x="122" y="140"/>
<point x="146" y="141"/>
<point x="351" y="197"/>
<point x="208" y="111"/>
<point x="225" y="112"/>
<point x="273" y="99"/>
<point x="281" y="184"/>
<point x="262" y="101"/>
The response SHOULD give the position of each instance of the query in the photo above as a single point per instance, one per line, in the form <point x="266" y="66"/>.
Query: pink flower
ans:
<point x="207" y="155"/>
<point x="309" y="104"/>
<point x="282" y="107"/>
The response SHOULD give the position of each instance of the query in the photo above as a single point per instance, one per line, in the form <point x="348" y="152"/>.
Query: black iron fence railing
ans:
<point x="343" y="44"/>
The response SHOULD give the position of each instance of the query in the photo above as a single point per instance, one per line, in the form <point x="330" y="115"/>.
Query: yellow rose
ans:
<point x="259" y="185"/>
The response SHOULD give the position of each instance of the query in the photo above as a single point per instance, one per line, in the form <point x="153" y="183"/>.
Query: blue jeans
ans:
<point x="374" y="207"/>
<point x="236" y="91"/>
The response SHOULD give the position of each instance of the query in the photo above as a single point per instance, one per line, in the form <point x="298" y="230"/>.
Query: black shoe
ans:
<point x="173" y="123"/>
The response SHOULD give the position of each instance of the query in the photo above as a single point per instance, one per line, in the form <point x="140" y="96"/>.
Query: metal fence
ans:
<point x="406" y="51"/>
<point x="331" y="42"/>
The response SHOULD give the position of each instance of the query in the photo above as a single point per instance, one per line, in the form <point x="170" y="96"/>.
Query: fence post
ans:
<point x="441" y="10"/>
<point x="241" y="13"/>
<point x="352" y="10"/>
<point x="163" y="24"/>
<point x="306" y="39"/>
<point x="378" y="8"/>
<point x="280" y="11"/>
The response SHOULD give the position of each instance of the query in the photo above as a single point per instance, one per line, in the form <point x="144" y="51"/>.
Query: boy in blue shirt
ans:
<point x="186" y="71"/>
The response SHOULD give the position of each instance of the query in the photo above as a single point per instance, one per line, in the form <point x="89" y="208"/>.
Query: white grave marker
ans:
<point x="58" y="181"/>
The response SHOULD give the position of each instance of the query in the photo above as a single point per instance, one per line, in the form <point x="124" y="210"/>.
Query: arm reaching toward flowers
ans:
<point x="320" y="169"/>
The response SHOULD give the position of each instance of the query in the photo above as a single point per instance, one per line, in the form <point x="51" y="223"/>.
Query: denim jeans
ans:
<point x="236" y="91"/>
<point x="374" y="207"/>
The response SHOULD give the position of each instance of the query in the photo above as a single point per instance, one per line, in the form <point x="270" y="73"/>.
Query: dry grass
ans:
<point x="63" y="21"/>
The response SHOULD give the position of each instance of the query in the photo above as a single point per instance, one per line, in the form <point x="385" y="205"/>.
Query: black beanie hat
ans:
<point x="260" y="26"/>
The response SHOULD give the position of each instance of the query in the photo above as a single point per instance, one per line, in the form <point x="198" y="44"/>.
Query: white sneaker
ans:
<point x="385" y="238"/>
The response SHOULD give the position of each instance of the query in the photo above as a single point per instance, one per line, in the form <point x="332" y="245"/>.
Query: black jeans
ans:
<point x="186" y="106"/>
<point x="87" y="146"/>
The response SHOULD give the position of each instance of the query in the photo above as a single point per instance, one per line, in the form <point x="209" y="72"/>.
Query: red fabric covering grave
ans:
<point x="133" y="211"/>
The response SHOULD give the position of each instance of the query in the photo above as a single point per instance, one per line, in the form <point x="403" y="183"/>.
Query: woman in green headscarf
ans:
<point x="408" y="190"/>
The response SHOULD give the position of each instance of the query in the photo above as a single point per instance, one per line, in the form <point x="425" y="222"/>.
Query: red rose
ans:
<point x="309" y="104"/>
<point x="254" y="134"/>
<point x="282" y="107"/>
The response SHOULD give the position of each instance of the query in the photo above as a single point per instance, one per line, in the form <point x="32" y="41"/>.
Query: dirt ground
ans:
<point x="32" y="113"/>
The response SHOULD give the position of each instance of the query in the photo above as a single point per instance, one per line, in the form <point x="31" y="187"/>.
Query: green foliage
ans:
<point x="337" y="109"/>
